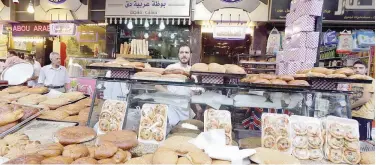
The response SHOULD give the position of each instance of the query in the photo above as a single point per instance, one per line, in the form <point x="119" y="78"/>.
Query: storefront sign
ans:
<point x="31" y="29"/>
<point x="229" y="32"/>
<point x="333" y="10"/>
<point x="139" y="8"/>
<point x="62" y="29"/>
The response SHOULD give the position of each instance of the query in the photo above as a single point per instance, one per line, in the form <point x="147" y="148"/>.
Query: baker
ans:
<point x="37" y="67"/>
<point x="54" y="76"/>
<point x="176" y="114"/>
<point x="363" y="103"/>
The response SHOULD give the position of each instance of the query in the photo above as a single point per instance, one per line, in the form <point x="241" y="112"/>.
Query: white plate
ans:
<point x="18" y="73"/>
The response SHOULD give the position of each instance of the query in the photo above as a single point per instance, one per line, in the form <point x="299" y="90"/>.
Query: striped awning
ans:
<point x="135" y="20"/>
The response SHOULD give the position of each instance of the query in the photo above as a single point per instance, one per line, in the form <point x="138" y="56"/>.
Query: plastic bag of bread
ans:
<point x="234" y="69"/>
<point x="345" y="71"/>
<point x="200" y="67"/>
<point x="72" y="96"/>
<point x="216" y="68"/>
<point x="15" y="89"/>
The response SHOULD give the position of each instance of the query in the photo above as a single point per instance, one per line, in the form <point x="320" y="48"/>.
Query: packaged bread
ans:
<point x="345" y="71"/>
<point x="216" y="68"/>
<point x="147" y="74"/>
<point x="278" y="82"/>
<point x="36" y="90"/>
<point x="275" y="132"/>
<point x="342" y="140"/>
<point x="234" y="69"/>
<point x="218" y="119"/>
<point x="111" y="117"/>
<point x="32" y="99"/>
<point x="15" y="89"/>
<point x="336" y="76"/>
<point x="153" y="123"/>
<point x="155" y="70"/>
<point x="306" y="137"/>
<point x="299" y="83"/>
<point x="73" y="96"/>
<point x="55" y="103"/>
<point x="200" y="67"/>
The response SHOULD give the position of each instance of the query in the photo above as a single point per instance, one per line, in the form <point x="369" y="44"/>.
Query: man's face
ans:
<point x="10" y="55"/>
<point x="184" y="55"/>
<point x="55" y="60"/>
<point x="360" y="69"/>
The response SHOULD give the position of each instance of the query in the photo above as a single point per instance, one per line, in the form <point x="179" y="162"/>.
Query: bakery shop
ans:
<point x="163" y="105"/>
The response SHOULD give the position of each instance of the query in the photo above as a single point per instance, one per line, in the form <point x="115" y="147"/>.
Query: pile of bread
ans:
<point x="112" y="148"/>
<point x="13" y="93"/>
<point x="11" y="115"/>
<point x="162" y="73"/>
<point x="77" y="112"/>
<point x="273" y="79"/>
<point x="217" y="68"/>
<point x="346" y="73"/>
<point x="121" y="63"/>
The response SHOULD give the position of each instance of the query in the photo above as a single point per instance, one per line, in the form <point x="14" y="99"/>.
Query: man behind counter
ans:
<point x="54" y="76"/>
<point x="363" y="103"/>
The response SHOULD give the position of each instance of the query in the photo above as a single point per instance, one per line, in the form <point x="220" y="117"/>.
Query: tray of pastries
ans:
<point x="160" y="74"/>
<point x="214" y="69"/>
<point x="345" y="75"/>
<point x="153" y="123"/>
<point x="118" y="64"/>
<point x="112" y="116"/>
<point x="219" y="119"/>
<point x="274" y="81"/>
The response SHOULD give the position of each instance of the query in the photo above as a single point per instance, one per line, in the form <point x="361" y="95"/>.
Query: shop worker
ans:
<point x="54" y="76"/>
<point x="363" y="103"/>
<point x="33" y="81"/>
<point x="12" y="59"/>
<point x="176" y="114"/>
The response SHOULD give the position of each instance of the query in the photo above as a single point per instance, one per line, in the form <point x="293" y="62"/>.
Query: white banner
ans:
<point x="148" y="8"/>
<point x="229" y="32"/>
<point x="62" y="29"/>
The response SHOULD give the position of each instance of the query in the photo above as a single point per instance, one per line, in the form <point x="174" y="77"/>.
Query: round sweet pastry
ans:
<point x="313" y="129"/>
<point x="336" y="130"/>
<point x="315" y="154"/>
<point x="123" y="139"/>
<point x="314" y="141"/>
<point x="105" y="115"/>
<point x="158" y="120"/>
<point x="269" y="131"/>
<point x="282" y="122"/>
<point x="350" y="134"/>
<point x="105" y="150"/>
<point x="352" y="145"/>
<point x="104" y="125"/>
<point x="213" y="124"/>
<point x="75" y="151"/>
<point x="283" y="132"/>
<point x="301" y="153"/>
<point x="158" y="134"/>
<point x="160" y="109"/>
<point x="269" y="142"/>
<point x="114" y="126"/>
<point x="283" y="144"/>
<point x="75" y="135"/>
<point x="146" y="134"/>
<point x="299" y="128"/>
<point x="300" y="141"/>
<point x="351" y="157"/>
<point x="335" y="142"/>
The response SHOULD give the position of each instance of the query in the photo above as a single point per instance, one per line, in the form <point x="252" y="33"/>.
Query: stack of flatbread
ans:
<point x="32" y="99"/>
<point x="72" y="96"/>
<point x="55" y="102"/>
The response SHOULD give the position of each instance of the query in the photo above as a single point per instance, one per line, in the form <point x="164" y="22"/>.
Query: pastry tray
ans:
<point x="110" y="68"/>
<point x="338" y="80"/>
<point x="23" y="123"/>
<point x="232" y="75"/>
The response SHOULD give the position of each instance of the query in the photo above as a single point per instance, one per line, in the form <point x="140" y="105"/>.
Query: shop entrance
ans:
<point x="47" y="50"/>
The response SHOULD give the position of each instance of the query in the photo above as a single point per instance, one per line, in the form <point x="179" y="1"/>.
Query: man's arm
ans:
<point x="66" y="85"/>
<point x="363" y="100"/>
<point x="41" y="77"/>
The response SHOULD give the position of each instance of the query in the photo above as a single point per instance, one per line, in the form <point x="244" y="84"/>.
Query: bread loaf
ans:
<point x="165" y="157"/>
<point x="360" y="77"/>
<point x="345" y="71"/>
<point x="36" y="90"/>
<point x="26" y="159"/>
<point x="286" y="77"/>
<point x="58" y="160"/>
<point x="72" y="96"/>
<point x="267" y="76"/>
<point x="278" y="82"/>
<point x="303" y="71"/>
<point x="299" y="83"/>
<point x="178" y="76"/>
<point x="200" y="67"/>
<point x="336" y="76"/>
<point x="10" y="117"/>
<point x="154" y="70"/>
<point x="319" y="70"/>
<point x="216" y="68"/>
<point x="50" y="150"/>
<point x="75" y="135"/>
<point x="85" y="160"/>
<point x="199" y="158"/>
<point x="234" y="69"/>
<point x="175" y="71"/>
<point x="106" y="161"/>
<point x="316" y="74"/>
<point x="367" y="157"/>
<point x="262" y="81"/>
<point x="105" y="150"/>
<point x="75" y="151"/>
<point x="147" y="74"/>
<point x="123" y="139"/>
<point x="15" y="89"/>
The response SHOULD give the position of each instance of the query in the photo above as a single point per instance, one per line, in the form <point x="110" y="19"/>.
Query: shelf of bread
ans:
<point x="161" y="74"/>
<point x="275" y="81"/>
<point x="133" y="56"/>
<point x="118" y="64"/>
<point x="343" y="75"/>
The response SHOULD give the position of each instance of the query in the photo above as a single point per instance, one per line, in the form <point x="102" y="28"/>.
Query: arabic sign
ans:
<point x="229" y="32"/>
<point x="57" y="1"/>
<point x="62" y="29"/>
<point x="335" y="10"/>
<point x="31" y="29"/>
<point x="147" y="8"/>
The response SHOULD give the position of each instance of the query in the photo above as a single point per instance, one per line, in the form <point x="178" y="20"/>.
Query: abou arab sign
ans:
<point x="31" y="29"/>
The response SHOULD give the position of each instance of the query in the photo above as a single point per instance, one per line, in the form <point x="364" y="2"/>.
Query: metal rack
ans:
<point x="257" y="67"/>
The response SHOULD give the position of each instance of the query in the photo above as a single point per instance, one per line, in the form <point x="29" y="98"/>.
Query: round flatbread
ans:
<point x="283" y="144"/>
<point x="75" y="135"/>
<point x="300" y="141"/>
<point x="123" y="139"/>
<point x="268" y="142"/>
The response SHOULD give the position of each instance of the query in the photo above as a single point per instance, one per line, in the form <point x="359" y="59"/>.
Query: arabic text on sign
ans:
<point x="129" y="4"/>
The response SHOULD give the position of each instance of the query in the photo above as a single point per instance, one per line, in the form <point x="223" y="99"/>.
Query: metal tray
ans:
<point x="110" y="68"/>
<point x="339" y="80"/>
<point x="232" y="75"/>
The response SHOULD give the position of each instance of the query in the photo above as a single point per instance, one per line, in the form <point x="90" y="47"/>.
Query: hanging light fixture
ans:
<point x="162" y="25"/>
<point x="30" y="8"/>
<point x="146" y="23"/>
<point x="130" y="25"/>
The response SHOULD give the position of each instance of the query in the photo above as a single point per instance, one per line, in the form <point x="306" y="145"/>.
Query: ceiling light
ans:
<point x="30" y="8"/>
<point x="159" y="35"/>
<point x="146" y="24"/>
<point x="146" y="35"/>
<point x="162" y="25"/>
<point x="130" y="25"/>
